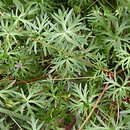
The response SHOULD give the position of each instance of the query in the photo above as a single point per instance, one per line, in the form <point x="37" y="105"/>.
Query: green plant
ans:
<point x="64" y="65"/>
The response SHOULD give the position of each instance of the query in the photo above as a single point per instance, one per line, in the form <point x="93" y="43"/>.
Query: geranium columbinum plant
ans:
<point x="64" y="65"/>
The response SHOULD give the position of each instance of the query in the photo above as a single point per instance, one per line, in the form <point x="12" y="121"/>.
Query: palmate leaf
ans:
<point x="4" y="93"/>
<point x="35" y="124"/>
<point x="30" y="102"/>
<point x="20" y="18"/>
<point x="112" y="124"/>
<point x="118" y="88"/>
<point x="41" y="6"/>
<point x="67" y="29"/>
<point x="116" y="38"/>
<point x="124" y="58"/>
<point x="9" y="33"/>
<point x="41" y="26"/>
<point x="67" y="66"/>
<point x="82" y="99"/>
<point x="109" y="29"/>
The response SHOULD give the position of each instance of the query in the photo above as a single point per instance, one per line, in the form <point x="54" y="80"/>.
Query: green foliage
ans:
<point x="56" y="56"/>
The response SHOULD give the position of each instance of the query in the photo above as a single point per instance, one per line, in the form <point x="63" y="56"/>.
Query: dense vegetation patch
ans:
<point x="64" y="64"/>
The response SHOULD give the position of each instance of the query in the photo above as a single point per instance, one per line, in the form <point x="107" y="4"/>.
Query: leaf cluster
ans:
<point x="55" y="59"/>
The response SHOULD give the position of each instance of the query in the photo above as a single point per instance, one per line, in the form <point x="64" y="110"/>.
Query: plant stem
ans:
<point x="94" y="107"/>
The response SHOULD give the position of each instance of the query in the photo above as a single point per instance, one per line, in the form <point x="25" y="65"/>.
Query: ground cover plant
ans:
<point x="64" y="65"/>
